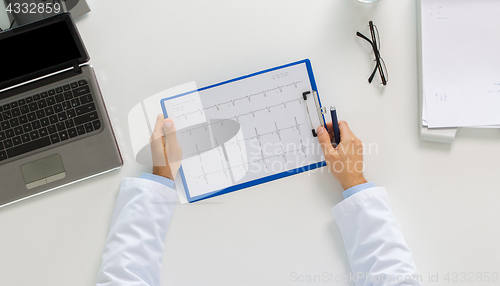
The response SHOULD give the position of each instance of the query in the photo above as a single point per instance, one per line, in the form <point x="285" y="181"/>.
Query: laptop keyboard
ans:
<point x="47" y="118"/>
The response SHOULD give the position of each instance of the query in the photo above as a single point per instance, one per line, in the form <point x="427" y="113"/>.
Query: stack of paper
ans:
<point x="460" y="63"/>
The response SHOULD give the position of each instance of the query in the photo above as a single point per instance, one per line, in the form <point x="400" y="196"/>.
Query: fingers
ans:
<point x="168" y="129"/>
<point x="329" y="126"/>
<point x="325" y="142"/>
<point x="172" y="148"/>
<point x="345" y="132"/>
<point x="346" y="135"/>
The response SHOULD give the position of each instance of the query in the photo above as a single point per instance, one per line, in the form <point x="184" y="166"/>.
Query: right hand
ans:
<point x="345" y="161"/>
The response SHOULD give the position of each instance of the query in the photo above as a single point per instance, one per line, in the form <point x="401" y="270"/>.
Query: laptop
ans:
<point x="54" y="127"/>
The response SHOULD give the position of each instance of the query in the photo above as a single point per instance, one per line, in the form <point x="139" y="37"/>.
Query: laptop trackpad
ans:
<point x="43" y="171"/>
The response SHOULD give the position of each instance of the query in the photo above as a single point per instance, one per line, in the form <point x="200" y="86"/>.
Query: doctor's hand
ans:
<point x="345" y="161"/>
<point x="166" y="153"/>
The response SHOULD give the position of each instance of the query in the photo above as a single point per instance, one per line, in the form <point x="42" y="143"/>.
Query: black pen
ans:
<point x="335" y="124"/>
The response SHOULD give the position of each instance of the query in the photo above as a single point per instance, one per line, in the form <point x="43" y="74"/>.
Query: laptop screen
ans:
<point x="38" y="49"/>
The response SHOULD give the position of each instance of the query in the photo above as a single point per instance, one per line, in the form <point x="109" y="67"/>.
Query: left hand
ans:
<point x="166" y="153"/>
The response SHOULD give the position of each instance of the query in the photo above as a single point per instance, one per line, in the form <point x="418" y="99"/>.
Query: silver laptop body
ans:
<point x="58" y="131"/>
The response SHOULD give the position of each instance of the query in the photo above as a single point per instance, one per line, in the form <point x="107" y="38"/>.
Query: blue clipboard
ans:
<point x="269" y="178"/>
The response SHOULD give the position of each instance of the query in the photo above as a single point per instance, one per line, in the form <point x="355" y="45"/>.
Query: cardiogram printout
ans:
<point x="246" y="131"/>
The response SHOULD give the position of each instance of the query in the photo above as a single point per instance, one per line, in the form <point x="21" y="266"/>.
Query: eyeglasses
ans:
<point x="380" y="64"/>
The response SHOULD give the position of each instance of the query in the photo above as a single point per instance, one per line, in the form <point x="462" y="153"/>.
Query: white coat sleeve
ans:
<point x="134" y="247"/>
<point x="375" y="245"/>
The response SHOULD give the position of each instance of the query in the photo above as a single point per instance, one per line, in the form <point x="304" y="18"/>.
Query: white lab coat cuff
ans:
<point x="356" y="201"/>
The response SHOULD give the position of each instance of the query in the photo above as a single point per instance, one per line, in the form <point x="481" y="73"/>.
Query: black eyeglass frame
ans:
<point x="373" y="43"/>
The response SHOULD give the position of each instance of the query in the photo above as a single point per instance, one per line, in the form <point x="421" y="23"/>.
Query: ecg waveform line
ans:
<point x="263" y="159"/>
<point x="237" y="117"/>
<point x="257" y="136"/>
<point x="232" y="101"/>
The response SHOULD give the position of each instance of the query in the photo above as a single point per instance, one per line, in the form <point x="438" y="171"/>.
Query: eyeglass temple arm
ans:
<point x="372" y="32"/>
<point x="380" y="69"/>
<point x="377" y="57"/>
<point x="365" y="38"/>
<point x="370" y="79"/>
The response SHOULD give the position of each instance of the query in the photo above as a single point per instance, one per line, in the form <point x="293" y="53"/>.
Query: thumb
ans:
<point x="174" y="151"/>
<point x="325" y="142"/>
<point x="157" y="147"/>
<point x="169" y="132"/>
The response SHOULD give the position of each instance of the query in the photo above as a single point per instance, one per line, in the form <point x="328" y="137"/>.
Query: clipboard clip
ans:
<point x="319" y="110"/>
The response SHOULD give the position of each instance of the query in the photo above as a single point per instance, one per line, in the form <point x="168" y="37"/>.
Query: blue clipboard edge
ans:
<point x="264" y="179"/>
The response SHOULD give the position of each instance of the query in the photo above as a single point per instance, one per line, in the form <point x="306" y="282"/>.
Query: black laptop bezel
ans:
<point x="63" y="17"/>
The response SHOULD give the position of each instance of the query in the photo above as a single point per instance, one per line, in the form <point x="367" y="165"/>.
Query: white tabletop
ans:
<point x="444" y="196"/>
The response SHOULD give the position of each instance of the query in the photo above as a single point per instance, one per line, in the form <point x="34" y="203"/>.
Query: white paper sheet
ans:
<point x="461" y="62"/>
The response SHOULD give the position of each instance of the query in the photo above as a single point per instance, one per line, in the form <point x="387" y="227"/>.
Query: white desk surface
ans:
<point x="445" y="196"/>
